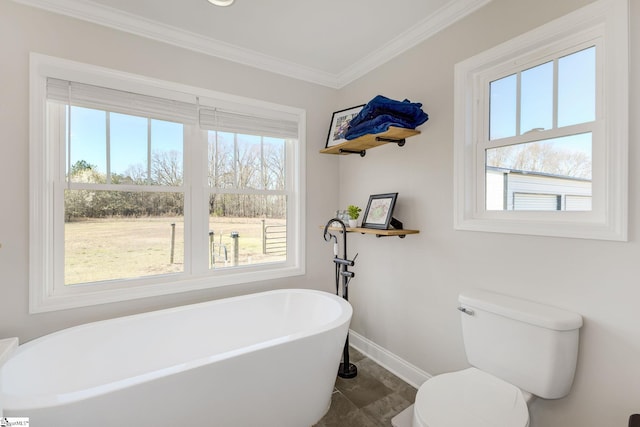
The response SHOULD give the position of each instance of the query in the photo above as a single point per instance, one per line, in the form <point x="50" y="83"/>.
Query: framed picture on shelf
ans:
<point x="379" y="211"/>
<point x="339" y="125"/>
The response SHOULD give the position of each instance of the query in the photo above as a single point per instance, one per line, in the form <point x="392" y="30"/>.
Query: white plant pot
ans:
<point x="353" y="223"/>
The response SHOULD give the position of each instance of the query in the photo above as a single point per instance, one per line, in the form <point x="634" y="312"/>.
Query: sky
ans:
<point x="128" y="139"/>
<point x="576" y="100"/>
<point x="128" y="142"/>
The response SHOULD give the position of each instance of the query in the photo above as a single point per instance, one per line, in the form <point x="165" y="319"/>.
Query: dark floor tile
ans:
<point x="382" y="410"/>
<point x="408" y="392"/>
<point x="363" y="389"/>
<point x="340" y="407"/>
<point x="389" y="380"/>
<point x="352" y="419"/>
<point x="370" y="399"/>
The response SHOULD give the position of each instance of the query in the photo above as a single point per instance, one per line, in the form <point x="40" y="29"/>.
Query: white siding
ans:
<point x="532" y="191"/>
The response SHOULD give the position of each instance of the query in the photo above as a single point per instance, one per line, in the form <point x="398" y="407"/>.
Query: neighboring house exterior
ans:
<point x="509" y="189"/>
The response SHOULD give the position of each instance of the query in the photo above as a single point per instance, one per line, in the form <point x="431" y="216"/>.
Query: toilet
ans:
<point x="517" y="349"/>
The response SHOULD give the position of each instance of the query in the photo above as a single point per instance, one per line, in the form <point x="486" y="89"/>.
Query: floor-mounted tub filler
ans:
<point x="266" y="359"/>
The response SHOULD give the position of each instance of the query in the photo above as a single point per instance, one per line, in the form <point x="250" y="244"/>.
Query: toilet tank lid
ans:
<point x="523" y="310"/>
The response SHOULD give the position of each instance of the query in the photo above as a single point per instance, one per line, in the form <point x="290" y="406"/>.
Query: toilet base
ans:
<point x="404" y="418"/>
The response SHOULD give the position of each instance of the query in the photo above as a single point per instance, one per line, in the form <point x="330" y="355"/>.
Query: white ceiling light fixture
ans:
<point x="222" y="2"/>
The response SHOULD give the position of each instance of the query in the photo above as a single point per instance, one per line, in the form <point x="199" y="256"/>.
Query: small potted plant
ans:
<point x="354" y="213"/>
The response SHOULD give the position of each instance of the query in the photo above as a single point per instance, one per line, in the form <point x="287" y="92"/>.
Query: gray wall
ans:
<point x="24" y="30"/>
<point x="405" y="291"/>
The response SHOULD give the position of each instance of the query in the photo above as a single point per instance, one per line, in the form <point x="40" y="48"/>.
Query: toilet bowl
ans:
<point x="470" y="397"/>
<point x="518" y="349"/>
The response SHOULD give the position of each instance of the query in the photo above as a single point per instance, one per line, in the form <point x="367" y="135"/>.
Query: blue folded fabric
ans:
<point x="377" y="125"/>
<point x="382" y="112"/>
<point x="406" y="110"/>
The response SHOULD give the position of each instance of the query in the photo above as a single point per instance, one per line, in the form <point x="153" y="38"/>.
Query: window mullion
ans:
<point x="67" y="138"/>
<point x="263" y="168"/>
<point x="555" y="94"/>
<point x="149" y="181"/>
<point x="108" y="140"/>
<point x="538" y="136"/>
<point x="126" y="187"/>
<point x="196" y="200"/>
<point x="236" y="162"/>
<point x="518" y="102"/>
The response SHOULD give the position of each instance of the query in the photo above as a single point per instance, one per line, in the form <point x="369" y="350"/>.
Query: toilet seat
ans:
<point x="469" y="397"/>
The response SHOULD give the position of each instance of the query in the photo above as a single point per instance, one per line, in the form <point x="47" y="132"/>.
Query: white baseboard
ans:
<point x="404" y="370"/>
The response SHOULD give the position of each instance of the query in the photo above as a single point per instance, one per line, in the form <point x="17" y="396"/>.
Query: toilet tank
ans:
<point x="530" y="345"/>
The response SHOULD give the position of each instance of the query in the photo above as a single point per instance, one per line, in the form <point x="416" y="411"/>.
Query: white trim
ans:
<point x="404" y="370"/>
<point x="608" y="220"/>
<point x="154" y="30"/>
<point x="41" y="302"/>
<point x="447" y="15"/>
<point x="59" y="68"/>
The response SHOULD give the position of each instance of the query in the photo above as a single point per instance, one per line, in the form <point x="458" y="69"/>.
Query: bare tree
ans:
<point x="543" y="158"/>
<point x="166" y="168"/>
<point x="221" y="170"/>
<point x="134" y="174"/>
<point x="274" y="167"/>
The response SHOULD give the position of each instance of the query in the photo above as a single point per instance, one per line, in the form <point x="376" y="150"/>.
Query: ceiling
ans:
<point x="329" y="42"/>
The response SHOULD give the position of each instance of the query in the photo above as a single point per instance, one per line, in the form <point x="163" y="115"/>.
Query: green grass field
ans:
<point x="117" y="248"/>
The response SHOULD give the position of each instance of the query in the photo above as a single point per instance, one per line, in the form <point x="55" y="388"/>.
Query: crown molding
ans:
<point x="135" y="24"/>
<point x="431" y="25"/>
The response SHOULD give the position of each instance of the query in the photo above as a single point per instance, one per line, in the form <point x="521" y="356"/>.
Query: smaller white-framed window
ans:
<point x="541" y="130"/>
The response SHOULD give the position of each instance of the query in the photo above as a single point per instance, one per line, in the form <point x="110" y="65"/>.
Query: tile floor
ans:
<point x="370" y="399"/>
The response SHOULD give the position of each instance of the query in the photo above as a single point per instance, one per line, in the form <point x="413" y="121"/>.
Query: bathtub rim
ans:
<point x="12" y="402"/>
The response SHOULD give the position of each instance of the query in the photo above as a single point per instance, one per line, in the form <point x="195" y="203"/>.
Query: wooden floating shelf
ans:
<point x="377" y="232"/>
<point x="360" y="145"/>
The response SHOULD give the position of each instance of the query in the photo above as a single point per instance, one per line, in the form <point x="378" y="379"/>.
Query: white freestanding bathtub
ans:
<point x="266" y="360"/>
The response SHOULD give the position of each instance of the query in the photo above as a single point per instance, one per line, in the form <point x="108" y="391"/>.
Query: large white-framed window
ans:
<point x="141" y="187"/>
<point x="541" y="130"/>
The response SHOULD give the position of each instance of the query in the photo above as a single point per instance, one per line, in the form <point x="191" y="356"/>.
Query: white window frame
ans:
<point x="603" y="23"/>
<point x="46" y="288"/>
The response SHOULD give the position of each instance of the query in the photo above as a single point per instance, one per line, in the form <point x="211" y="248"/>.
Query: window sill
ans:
<point x="93" y="294"/>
